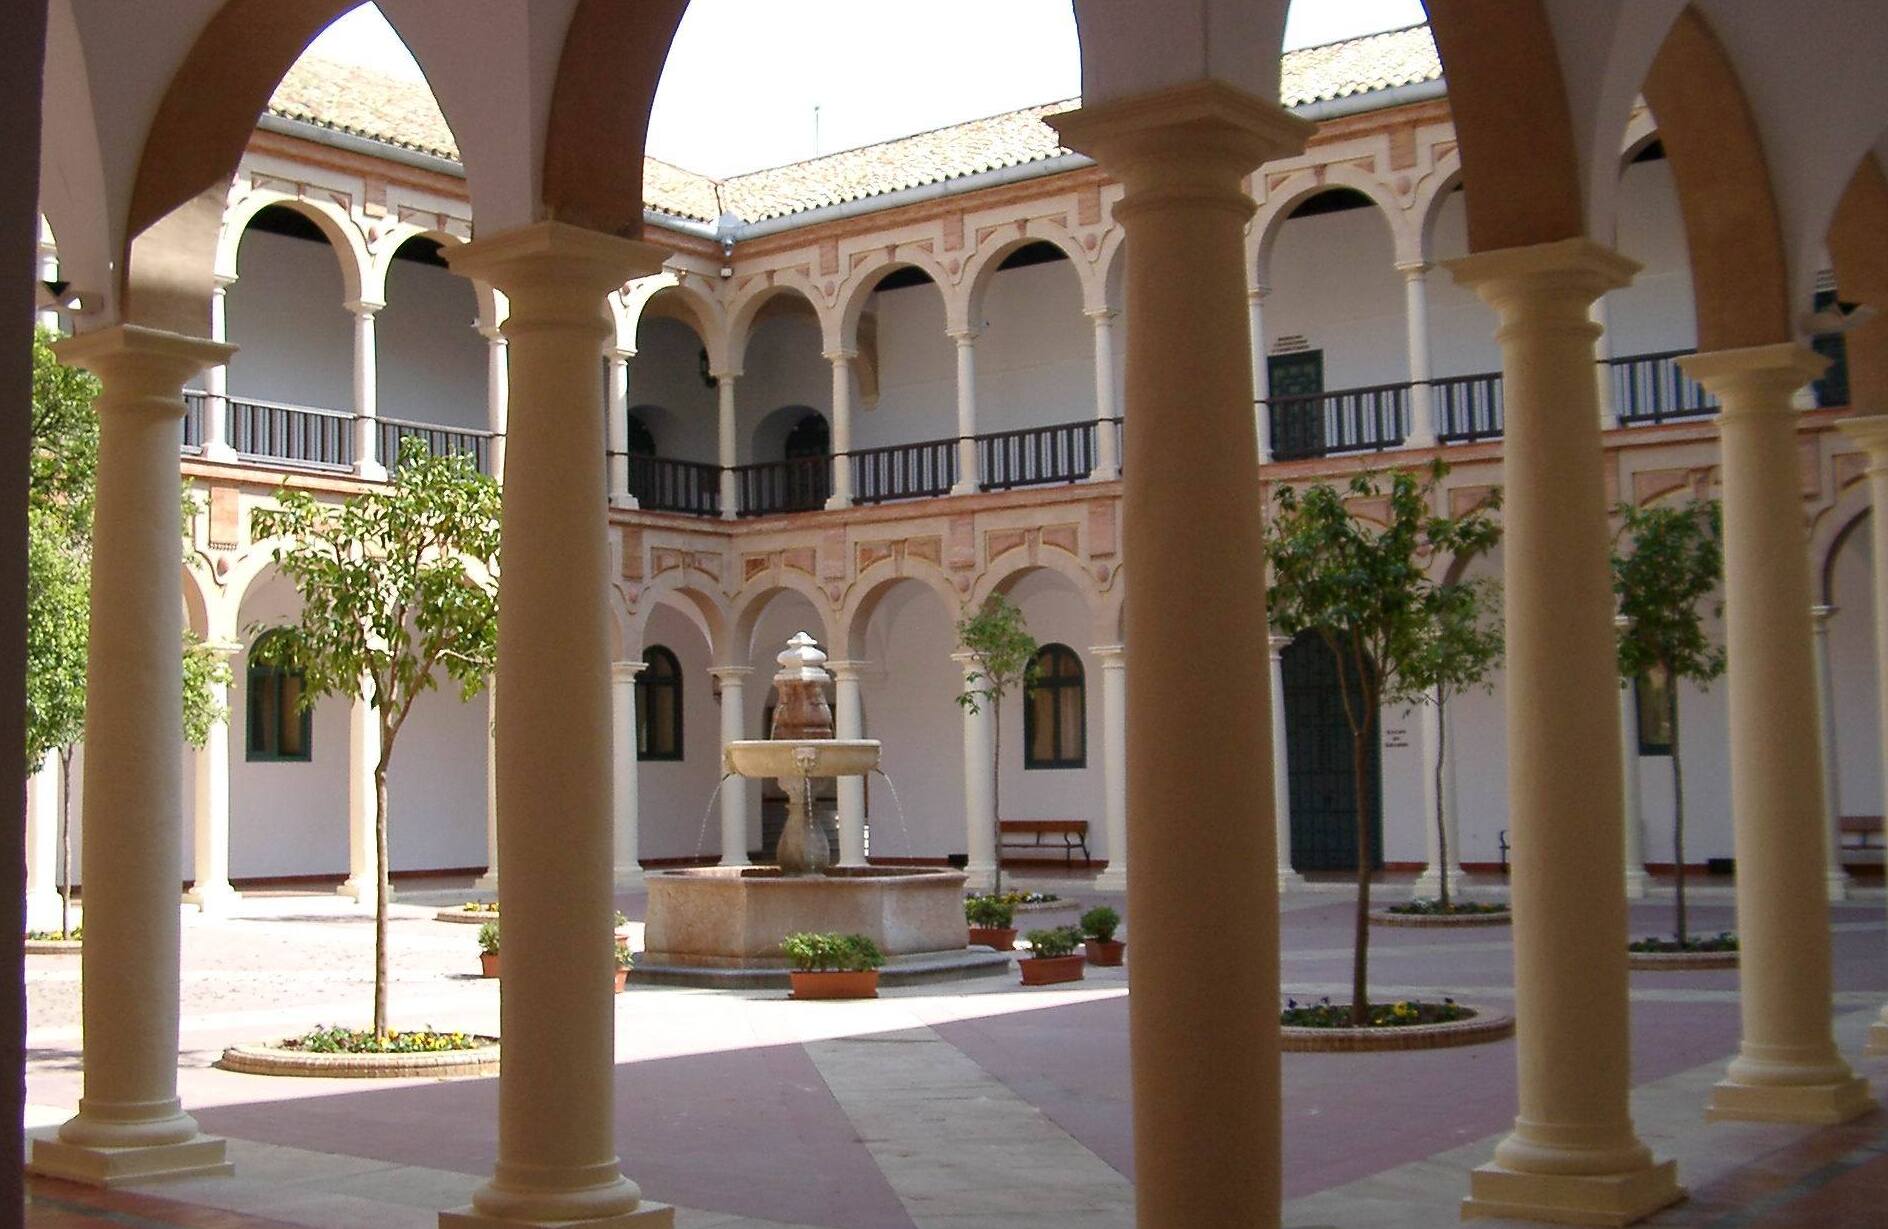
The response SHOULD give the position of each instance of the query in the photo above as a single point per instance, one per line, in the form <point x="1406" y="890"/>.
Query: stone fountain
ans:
<point x="722" y="925"/>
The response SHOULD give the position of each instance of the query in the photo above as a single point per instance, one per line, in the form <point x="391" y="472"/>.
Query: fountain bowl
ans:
<point x="802" y="757"/>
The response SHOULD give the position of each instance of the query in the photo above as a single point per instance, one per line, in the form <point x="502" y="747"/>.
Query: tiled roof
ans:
<point x="403" y="114"/>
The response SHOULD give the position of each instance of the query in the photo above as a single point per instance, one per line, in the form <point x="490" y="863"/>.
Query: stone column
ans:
<point x="1573" y="1152"/>
<point x="42" y="846"/>
<point x="363" y="849"/>
<point x="1602" y="369"/>
<point x="368" y="463"/>
<point x="1422" y="417"/>
<point x="724" y="431"/>
<point x="849" y="722"/>
<point x="1439" y="812"/>
<point x="130" y="1123"/>
<point x="209" y="889"/>
<point x="1114" y="763"/>
<point x="1632" y="817"/>
<point x="1261" y="373"/>
<point x="1281" y="777"/>
<point x="841" y="360"/>
<point x="556" y="1124"/>
<point x="1107" y="453"/>
<point x="1205" y="1047"/>
<point x="979" y="783"/>
<point x="626" y="819"/>
<point x="497" y="395"/>
<point x="1787" y="1068"/>
<point x="968" y="478"/>
<point x="1871" y="432"/>
<point x="616" y="414"/>
<point x="488" y="882"/>
<point x="734" y="791"/>
<point x="1836" y="879"/>
<point x="216" y="445"/>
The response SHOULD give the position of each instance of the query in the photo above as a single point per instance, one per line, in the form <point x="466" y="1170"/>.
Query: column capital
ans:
<point x="138" y="364"/>
<point x="620" y="354"/>
<point x="1111" y="656"/>
<point x="1871" y="432"/>
<point x="730" y="674"/>
<point x="847" y="671"/>
<point x="1569" y="272"/>
<point x="1755" y="379"/>
<point x="1413" y="269"/>
<point x="1277" y="642"/>
<point x="365" y="308"/>
<point x="725" y="377"/>
<point x="1256" y="294"/>
<point x="841" y="355"/>
<point x="553" y="268"/>
<point x="1820" y="613"/>
<point x="221" y="282"/>
<point x="1101" y="315"/>
<point x="963" y="337"/>
<point x="626" y="671"/>
<point x="968" y="660"/>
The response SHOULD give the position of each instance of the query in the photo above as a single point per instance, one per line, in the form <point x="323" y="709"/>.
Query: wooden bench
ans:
<point x="1074" y="834"/>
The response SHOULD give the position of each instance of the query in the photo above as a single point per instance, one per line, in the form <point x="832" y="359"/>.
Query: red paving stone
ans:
<point x="52" y="1204"/>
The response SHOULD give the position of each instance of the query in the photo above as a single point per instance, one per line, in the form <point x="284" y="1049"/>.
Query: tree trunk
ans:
<point x="1442" y="827"/>
<point x="1678" y="819"/>
<point x="382" y="894"/>
<point x="996" y="791"/>
<point x="65" y="842"/>
<point x="1360" y="963"/>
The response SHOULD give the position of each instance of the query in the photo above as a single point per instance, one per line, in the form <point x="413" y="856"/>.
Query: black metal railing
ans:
<point x="194" y="402"/>
<point x="769" y="488"/>
<point x="663" y="485"/>
<point x="1036" y="456"/>
<point x="1345" y="420"/>
<point x="293" y="434"/>
<point x="1650" y="389"/>
<point x="1467" y="408"/>
<point x="439" y="441"/>
<point x="904" y="471"/>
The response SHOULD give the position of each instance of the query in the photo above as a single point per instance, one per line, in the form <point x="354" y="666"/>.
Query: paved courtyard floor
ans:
<point x="934" y="1107"/>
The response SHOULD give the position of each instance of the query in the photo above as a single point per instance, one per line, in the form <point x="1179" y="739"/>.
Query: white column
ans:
<point x="1439" y="812"/>
<point x="616" y="408"/>
<point x="1422" y="418"/>
<point x="1838" y="879"/>
<point x="210" y="890"/>
<point x="627" y="815"/>
<point x="724" y="433"/>
<point x="841" y="360"/>
<point x="488" y="882"/>
<point x="734" y="791"/>
<point x="849" y="722"/>
<point x="1602" y="369"/>
<point x="979" y="783"/>
<point x="130" y="1121"/>
<point x="1281" y="778"/>
<point x="968" y="477"/>
<point x="367" y="461"/>
<point x="1633" y="816"/>
<point x="216" y="445"/>
<point x="497" y="396"/>
<point x="42" y="846"/>
<point x="1114" y="763"/>
<point x="1107" y="438"/>
<point x="1261" y="374"/>
<point x="363" y="752"/>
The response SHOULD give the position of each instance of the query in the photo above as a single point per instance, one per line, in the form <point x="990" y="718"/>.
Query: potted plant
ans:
<point x="622" y="962"/>
<point x="1052" y="956"/>
<point x="990" y="919"/>
<point x="1101" y="947"/>
<point x="827" y="965"/>
<point x="488" y="950"/>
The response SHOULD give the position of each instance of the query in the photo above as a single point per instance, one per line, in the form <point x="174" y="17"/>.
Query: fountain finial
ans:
<point x="801" y="710"/>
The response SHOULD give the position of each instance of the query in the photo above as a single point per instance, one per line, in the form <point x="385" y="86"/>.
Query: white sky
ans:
<point x="745" y="75"/>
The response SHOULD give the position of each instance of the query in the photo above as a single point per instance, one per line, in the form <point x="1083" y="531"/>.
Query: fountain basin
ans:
<point x="802" y="757"/>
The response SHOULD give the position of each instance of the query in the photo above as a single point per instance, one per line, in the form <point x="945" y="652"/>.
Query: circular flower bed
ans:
<point x="1326" y="1027"/>
<point x="1429" y="911"/>
<point x="473" y="911"/>
<point x="344" y="1053"/>
<point x="1717" y="951"/>
<point x="54" y="942"/>
<point x="1027" y="902"/>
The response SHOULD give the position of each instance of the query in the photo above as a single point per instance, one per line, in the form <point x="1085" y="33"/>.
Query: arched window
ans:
<point x="659" y="706"/>
<point x="1055" y="711"/>
<point x="279" y="727"/>
<point x="638" y="440"/>
<point x="810" y="437"/>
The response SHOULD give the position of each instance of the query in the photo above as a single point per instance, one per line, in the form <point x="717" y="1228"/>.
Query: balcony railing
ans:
<point x="1347" y="420"/>
<point x="193" y="420"/>
<point x="292" y="434"/>
<point x="770" y="488"/>
<point x="663" y="485"/>
<point x="439" y="441"/>
<point x="1467" y="408"/>
<point x="1036" y="456"/>
<point x="1650" y="389"/>
<point x="904" y="471"/>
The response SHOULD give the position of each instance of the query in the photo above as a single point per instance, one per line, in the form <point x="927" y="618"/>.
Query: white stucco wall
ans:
<point x="674" y="794"/>
<point x="666" y="375"/>
<point x="431" y="357"/>
<point x="294" y="339"/>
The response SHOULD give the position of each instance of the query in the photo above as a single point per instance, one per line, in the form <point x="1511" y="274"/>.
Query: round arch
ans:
<point x="358" y="274"/>
<point x="984" y="266"/>
<point x="690" y="593"/>
<point x="1281" y="203"/>
<point x="758" y="594"/>
<point x="1013" y="565"/>
<point x="388" y="246"/>
<point x="670" y="297"/>
<point x="872" y="586"/>
<point x="743" y="313"/>
<point x="863" y="281"/>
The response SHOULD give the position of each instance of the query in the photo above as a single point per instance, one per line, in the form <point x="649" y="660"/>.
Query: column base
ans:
<point x="1572" y="1199"/>
<point x="624" y="501"/>
<point x="1292" y="881"/>
<point x="838" y="503"/>
<point x="1429" y="884"/>
<point x="1877" y="1044"/>
<point x="1638" y="885"/>
<point x="221" y="454"/>
<point x="488" y="882"/>
<point x="1099" y="474"/>
<point x="370" y="471"/>
<point x="212" y="897"/>
<point x="42" y="911"/>
<point x="964" y="488"/>
<point x="202" y="1156"/>
<point x="1112" y="880"/>
<point x="645" y="1215"/>
<point x="628" y="879"/>
<point x="979" y="877"/>
<point x="1838" y="884"/>
<point x="1817" y="1104"/>
<point x="1419" y="441"/>
<point x="361" y="893"/>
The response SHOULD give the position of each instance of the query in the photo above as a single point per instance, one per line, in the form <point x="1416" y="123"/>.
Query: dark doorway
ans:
<point x="1295" y="387"/>
<point x="1320" y="772"/>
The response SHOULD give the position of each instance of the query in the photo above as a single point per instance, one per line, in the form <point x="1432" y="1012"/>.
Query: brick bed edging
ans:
<point x="54" y="947"/>
<point x="1440" y="920"/>
<point x="442" y="1064"/>
<point x="1482" y="1027"/>
<point x="1681" y="961"/>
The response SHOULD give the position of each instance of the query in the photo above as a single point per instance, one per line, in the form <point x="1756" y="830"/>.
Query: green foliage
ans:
<point x="1326" y="1014"/>
<point x="206" y="674"/>
<point x="1667" y="563"/>
<point x="620" y="951"/>
<point x="75" y="935"/>
<point x="488" y="939"/>
<point x="1723" y="941"/>
<point x="479" y="906"/>
<point x="333" y="1039"/>
<point x="1053" y="942"/>
<point x="831" y="952"/>
<point x="618" y="919"/>
<point x="1100" y="923"/>
<point x="63" y="471"/>
<point x="58" y="599"/>
<point x="997" y="636"/>
<point x="1434" y="907"/>
<point x="989" y="912"/>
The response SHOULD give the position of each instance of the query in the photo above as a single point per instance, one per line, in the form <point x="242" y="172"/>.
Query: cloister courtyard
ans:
<point x="974" y="1103"/>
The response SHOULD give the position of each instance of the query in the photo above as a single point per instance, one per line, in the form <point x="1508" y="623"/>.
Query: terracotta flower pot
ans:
<point x="1002" y="939"/>
<point x="1047" y="970"/>
<point x="621" y="980"/>
<point x="861" y="984"/>
<point x="1105" y="954"/>
<point x="488" y="964"/>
